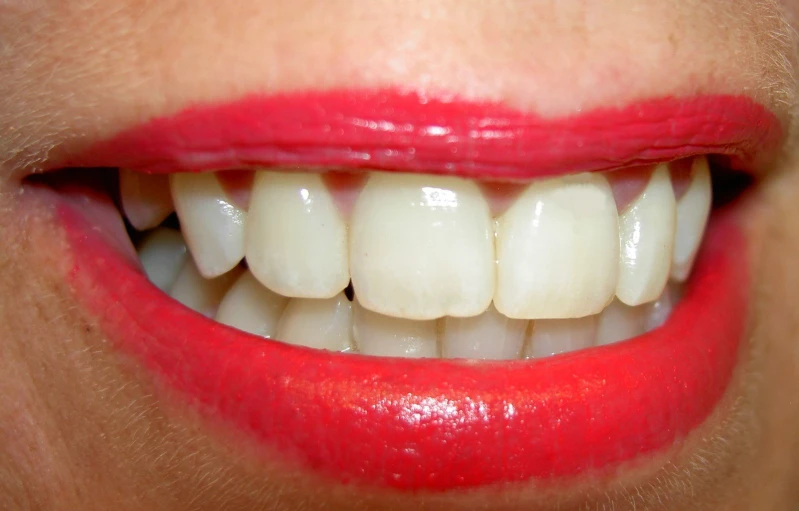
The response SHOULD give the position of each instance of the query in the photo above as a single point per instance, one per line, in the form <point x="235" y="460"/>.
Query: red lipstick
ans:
<point x="415" y="133"/>
<point x="436" y="424"/>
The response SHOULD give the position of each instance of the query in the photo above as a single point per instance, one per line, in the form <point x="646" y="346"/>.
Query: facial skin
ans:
<point x="82" y="426"/>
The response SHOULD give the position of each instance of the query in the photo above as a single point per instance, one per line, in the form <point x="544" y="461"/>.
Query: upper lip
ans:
<point x="394" y="130"/>
<point x="438" y="424"/>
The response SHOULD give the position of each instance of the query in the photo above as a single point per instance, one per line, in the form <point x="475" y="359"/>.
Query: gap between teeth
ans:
<point x="441" y="266"/>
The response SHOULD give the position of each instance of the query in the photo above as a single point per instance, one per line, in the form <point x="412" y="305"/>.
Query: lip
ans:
<point x="433" y="424"/>
<point x="436" y="425"/>
<point x="407" y="131"/>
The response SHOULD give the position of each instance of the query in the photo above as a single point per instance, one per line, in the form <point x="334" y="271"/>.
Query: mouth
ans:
<point x="426" y="294"/>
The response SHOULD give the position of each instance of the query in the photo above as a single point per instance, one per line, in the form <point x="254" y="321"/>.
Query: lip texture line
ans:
<point x="394" y="130"/>
<point x="433" y="424"/>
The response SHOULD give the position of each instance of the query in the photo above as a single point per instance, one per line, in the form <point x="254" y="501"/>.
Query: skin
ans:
<point x="81" y="426"/>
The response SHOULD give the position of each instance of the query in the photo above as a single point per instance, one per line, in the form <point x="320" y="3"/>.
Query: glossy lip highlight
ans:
<point x="437" y="424"/>
<point x="406" y="131"/>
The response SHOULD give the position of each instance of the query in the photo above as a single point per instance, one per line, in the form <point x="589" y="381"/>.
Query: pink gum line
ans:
<point x="345" y="186"/>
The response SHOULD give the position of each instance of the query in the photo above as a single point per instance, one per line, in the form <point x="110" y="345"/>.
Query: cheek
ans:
<point x="77" y="420"/>
<point x="67" y="412"/>
<point x="33" y="347"/>
<point x="775" y="341"/>
<point x="791" y="7"/>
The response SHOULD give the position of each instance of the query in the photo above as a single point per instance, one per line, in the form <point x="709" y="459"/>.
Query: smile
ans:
<point x="427" y="293"/>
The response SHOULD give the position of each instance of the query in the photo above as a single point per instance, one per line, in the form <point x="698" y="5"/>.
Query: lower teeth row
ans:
<point x="238" y="299"/>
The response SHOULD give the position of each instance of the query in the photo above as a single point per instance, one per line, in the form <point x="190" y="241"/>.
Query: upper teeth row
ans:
<point x="425" y="247"/>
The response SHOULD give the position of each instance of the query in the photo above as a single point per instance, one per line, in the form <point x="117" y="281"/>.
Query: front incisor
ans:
<point x="296" y="238"/>
<point x="422" y="247"/>
<point x="558" y="250"/>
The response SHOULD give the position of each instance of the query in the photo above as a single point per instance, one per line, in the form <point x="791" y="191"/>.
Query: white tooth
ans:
<point x="201" y="294"/>
<point x="646" y="236"/>
<point x="162" y="255"/>
<point x="376" y="334"/>
<point x="553" y="336"/>
<point x="487" y="336"/>
<point x="322" y="324"/>
<point x="251" y="307"/>
<point x="619" y="322"/>
<point x="296" y="239"/>
<point x="659" y="311"/>
<point x="146" y="199"/>
<point x="422" y="247"/>
<point x="558" y="249"/>
<point x="693" y="210"/>
<point x="212" y="224"/>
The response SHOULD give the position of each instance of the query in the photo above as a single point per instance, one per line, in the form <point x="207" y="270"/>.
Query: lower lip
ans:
<point x="433" y="425"/>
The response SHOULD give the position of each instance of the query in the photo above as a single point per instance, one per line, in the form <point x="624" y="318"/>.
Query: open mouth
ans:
<point x="413" y="265"/>
<point x="423" y="294"/>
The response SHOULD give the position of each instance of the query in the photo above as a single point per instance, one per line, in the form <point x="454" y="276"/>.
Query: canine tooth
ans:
<point x="422" y="247"/>
<point x="212" y="225"/>
<point x="553" y="336"/>
<point x="619" y="322"/>
<point x="693" y="210"/>
<point x="646" y="237"/>
<point x="146" y="199"/>
<point x="376" y="334"/>
<point x="322" y="324"/>
<point x="162" y="255"/>
<point x="558" y="249"/>
<point x="251" y="307"/>
<point x="198" y="293"/>
<point x="487" y="336"/>
<point x="296" y="239"/>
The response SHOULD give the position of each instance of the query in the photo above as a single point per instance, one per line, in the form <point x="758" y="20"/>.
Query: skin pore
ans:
<point x="83" y="427"/>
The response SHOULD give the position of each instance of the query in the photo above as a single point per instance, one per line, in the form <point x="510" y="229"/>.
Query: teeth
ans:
<point x="421" y="247"/>
<point x="487" y="336"/>
<point x="162" y="255"/>
<point x="376" y="334"/>
<point x="660" y="310"/>
<point x="646" y="236"/>
<point x="553" y="336"/>
<point x="198" y="293"/>
<point x="693" y="210"/>
<point x="427" y="261"/>
<point x="619" y="322"/>
<point x="296" y="239"/>
<point x="146" y="199"/>
<point x="212" y="224"/>
<point x="251" y="307"/>
<point x="558" y="250"/>
<point x="322" y="324"/>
